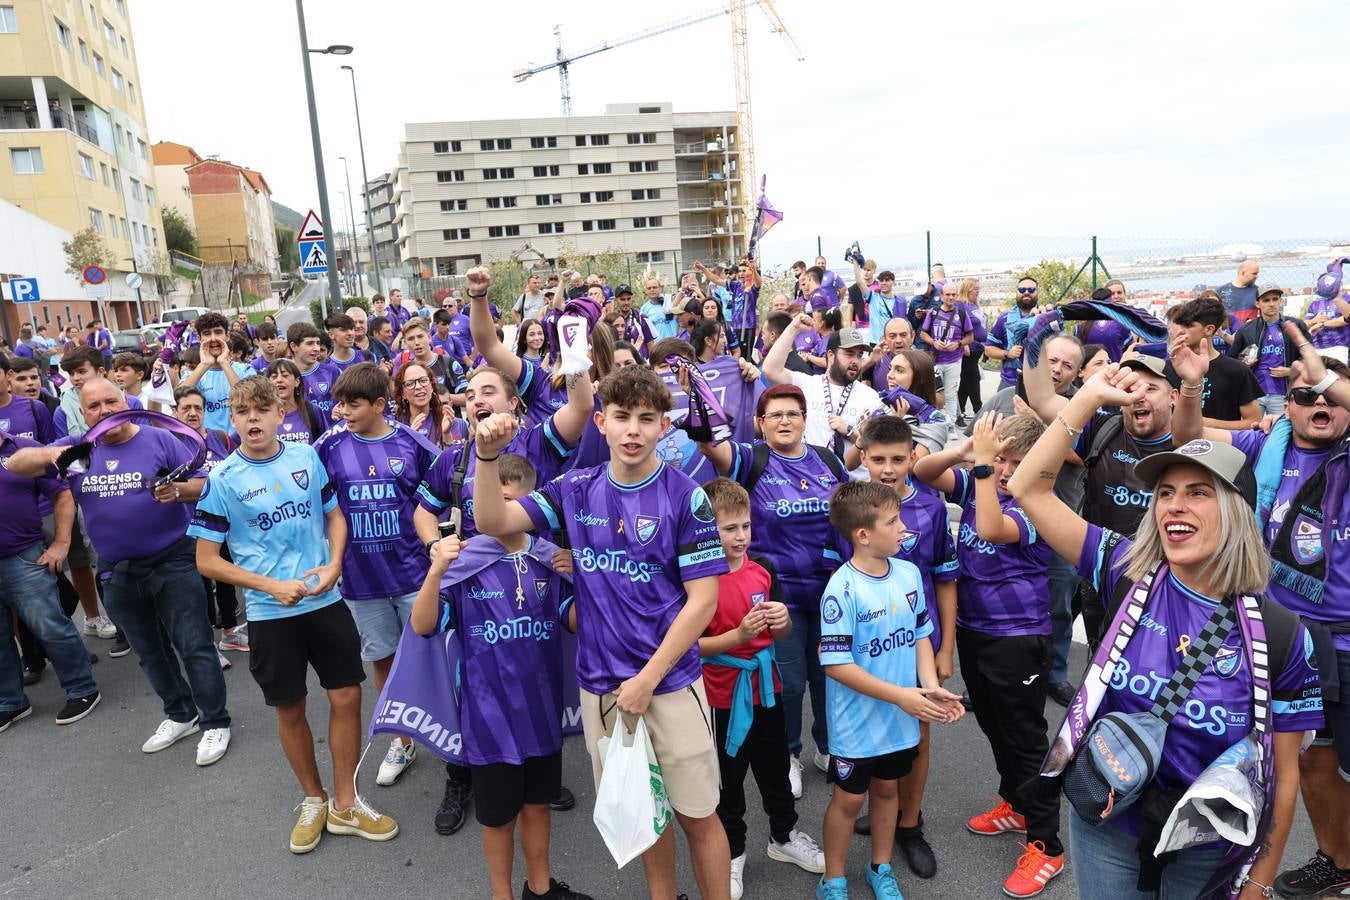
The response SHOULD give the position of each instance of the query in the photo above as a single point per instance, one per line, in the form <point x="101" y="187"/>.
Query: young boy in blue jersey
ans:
<point x="881" y="680"/>
<point x="506" y="603"/>
<point x="887" y="446"/>
<point x="273" y="502"/>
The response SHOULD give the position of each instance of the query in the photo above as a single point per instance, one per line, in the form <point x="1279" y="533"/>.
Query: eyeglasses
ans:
<point x="1030" y="290"/>
<point x="1304" y="396"/>
<point x="417" y="382"/>
<point x="791" y="415"/>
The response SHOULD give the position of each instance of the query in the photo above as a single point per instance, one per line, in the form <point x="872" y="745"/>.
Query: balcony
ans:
<point x="13" y="118"/>
<point x="698" y="231"/>
<point x="697" y="204"/>
<point x="700" y="148"/>
<point x="695" y="177"/>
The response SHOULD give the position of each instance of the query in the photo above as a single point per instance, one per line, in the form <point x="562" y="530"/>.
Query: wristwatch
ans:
<point x="981" y="471"/>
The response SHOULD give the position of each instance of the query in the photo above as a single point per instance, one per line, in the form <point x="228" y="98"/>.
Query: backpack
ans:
<point x="1105" y="434"/>
<point x="224" y="438"/>
<point x="761" y="462"/>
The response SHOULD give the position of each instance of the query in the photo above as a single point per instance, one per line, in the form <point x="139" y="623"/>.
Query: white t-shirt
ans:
<point x="861" y="400"/>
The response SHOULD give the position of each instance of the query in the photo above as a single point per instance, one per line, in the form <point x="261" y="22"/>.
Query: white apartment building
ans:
<point x="641" y="178"/>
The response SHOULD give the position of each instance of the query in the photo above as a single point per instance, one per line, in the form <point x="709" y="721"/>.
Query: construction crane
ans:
<point x="740" y="55"/>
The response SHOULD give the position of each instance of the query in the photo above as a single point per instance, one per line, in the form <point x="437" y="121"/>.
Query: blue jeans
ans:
<point x="1063" y="586"/>
<point x="1272" y="404"/>
<point x="1106" y="865"/>
<point x="799" y="666"/>
<point x="163" y="615"/>
<point x="29" y="590"/>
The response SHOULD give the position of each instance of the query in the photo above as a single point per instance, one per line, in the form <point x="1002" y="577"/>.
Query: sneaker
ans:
<point x="822" y="761"/>
<point x="557" y="890"/>
<point x="800" y="850"/>
<point x="75" y="710"/>
<point x="918" y="854"/>
<point x="396" y="760"/>
<point x="169" y="733"/>
<point x="795" y="777"/>
<point x="120" y="647"/>
<point x="1318" y="876"/>
<point x="234" y="640"/>
<point x="961" y="422"/>
<point x="33" y="676"/>
<point x="1061" y="692"/>
<point x="1033" y="872"/>
<point x="998" y="820"/>
<point x="224" y="663"/>
<point x="361" y="821"/>
<point x="9" y="717"/>
<point x="883" y="884"/>
<point x="565" y="801"/>
<point x="212" y="746"/>
<point x="100" y="626"/>
<point x="309" y="827"/>
<point x="738" y="876"/>
<point x="454" y="809"/>
<point x="834" y="889"/>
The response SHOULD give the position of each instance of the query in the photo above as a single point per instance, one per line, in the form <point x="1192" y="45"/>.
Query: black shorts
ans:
<point x="854" y="775"/>
<point x="281" y="651"/>
<point x="501" y="789"/>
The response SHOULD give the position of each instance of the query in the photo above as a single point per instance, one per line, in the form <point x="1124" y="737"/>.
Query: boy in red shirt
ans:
<point x="743" y="690"/>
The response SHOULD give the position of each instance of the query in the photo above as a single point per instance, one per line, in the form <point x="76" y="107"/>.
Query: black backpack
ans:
<point x="761" y="461"/>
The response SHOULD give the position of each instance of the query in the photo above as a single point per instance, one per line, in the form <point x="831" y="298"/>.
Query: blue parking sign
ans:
<point x="24" y="290"/>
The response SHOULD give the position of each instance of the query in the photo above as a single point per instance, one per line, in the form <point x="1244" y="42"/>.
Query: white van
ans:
<point x="182" y="314"/>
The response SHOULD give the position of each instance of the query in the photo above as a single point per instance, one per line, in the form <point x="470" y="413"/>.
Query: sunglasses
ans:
<point x="1030" y="290"/>
<point x="1304" y="396"/>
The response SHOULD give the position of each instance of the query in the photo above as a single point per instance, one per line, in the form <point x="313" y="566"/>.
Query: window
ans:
<point x="445" y="175"/>
<point x="646" y="137"/>
<point x="647" y="194"/>
<point x="135" y="189"/>
<point x="544" y="171"/>
<point x="103" y="170"/>
<point x="497" y="144"/>
<point x="154" y="237"/>
<point x="455" y="234"/>
<point x="485" y="145"/>
<point x="651" y="256"/>
<point x="592" y="140"/>
<point x="538" y="143"/>
<point x="109" y="32"/>
<point x="550" y="227"/>
<point x="583" y="168"/>
<point x="601" y="168"/>
<point x="84" y="48"/>
<point x="647" y="222"/>
<point x="503" y="231"/>
<point x="150" y="196"/>
<point x="491" y="174"/>
<point x="8" y="24"/>
<point x="604" y="196"/>
<point x="125" y="52"/>
<point x="98" y="66"/>
<point x="604" y="224"/>
<point x="119" y="83"/>
<point x="586" y="197"/>
<point x="142" y="148"/>
<point x="547" y="199"/>
<point x="87" y="166"/>
<point x="26" y="160"/>
<point x="63" y="35"/>
<point x="117" y="179"/>
<point x="96" y="221"/>
<point x="453" y="205"/>
<point x="445" y="146"/>
<point x="112" y="225"/>
<point x="648" y="166"/>
<point x="121" y="7"/>
<point x="500" y="202"/>
<point x="125" y="229"/>
<point x="131" y="91"/>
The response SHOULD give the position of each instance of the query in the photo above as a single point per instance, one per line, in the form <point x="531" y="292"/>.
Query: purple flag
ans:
<point x="765" y="218"/>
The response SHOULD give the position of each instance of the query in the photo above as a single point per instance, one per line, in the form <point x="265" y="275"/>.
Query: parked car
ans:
<point x="144" y="341"/>
<point x="182" y="314"/>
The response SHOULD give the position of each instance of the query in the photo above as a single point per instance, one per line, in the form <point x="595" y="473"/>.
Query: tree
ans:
<point x="178" y="234"/>
<point x="288" y="255"/>
<point x="84" y="249"/>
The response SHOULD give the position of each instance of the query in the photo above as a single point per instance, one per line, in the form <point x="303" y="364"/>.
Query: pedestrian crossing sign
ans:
<point x="313" y="258"/>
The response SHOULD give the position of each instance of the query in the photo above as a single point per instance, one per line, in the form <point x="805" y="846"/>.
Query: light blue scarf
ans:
<point x="1269" y="469"/>
<point x="743" y="697"/>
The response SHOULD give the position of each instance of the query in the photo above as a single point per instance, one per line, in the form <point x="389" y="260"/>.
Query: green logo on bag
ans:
<point x="660" y="805"/>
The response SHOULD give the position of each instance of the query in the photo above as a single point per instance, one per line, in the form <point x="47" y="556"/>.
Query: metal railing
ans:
<point x="12" y="119"/>
<point x="699" y="148"/>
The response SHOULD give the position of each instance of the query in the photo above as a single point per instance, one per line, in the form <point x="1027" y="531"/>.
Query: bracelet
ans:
<point x="1266" y="890"/>
<point x="1073" y="432"/>
<point x="1193" y="390"/>
<point x="478" y="456"/>
<point x="472" y="296"/>
<point x="428" y="545"/>
<point x="1327" y="381"/>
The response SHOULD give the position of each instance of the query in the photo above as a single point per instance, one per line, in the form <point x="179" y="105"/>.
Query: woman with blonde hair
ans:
<point x="1191" y="638"/>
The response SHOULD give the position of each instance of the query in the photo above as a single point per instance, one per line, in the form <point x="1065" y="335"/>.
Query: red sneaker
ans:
<point x="997" y="821"/>
<point x="1033" y="872"/>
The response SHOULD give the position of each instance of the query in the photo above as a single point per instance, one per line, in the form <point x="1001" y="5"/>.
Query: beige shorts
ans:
<point x="680" y="727"/>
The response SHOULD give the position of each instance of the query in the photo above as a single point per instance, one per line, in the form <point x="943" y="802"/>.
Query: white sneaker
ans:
<point x="169" y="733"/>
<point x="795" y="776"/>
<point x="212" y="746"/>
<point x="100" y="626"/>
<point x="738" y="877"/>
<point x="396" y="760"/>
<point x="822" y="761"/>
<point x="224" y="663"/>
<point x="800" y="850"/>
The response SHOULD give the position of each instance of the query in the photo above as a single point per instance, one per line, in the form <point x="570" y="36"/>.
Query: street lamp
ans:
<point x="334" y="290"/>
<point x="365" y="183"/>
<point x="351" y="213"/>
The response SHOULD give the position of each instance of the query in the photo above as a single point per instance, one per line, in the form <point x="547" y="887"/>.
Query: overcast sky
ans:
<point x="1177" y="119"/>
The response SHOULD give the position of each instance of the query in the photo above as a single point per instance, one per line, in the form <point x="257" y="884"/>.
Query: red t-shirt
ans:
<point x="737" y="591"/>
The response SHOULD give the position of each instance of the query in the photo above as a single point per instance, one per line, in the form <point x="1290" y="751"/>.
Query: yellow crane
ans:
<point x="740" y="59"/>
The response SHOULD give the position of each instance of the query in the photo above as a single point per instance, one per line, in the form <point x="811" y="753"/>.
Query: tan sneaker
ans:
<point x="361" y="821"/>
<point x="309" y="827"/>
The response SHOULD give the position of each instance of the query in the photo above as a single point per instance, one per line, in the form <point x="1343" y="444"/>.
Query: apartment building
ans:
<point x="171" y="163"/>
<point x="640" y="178"/>
<point x="73" y="138"/>
<point x="380" y="198"/>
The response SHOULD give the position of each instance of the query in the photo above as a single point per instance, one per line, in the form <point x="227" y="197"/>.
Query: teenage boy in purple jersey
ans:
<point x="375" y="467"/>
<point x="887" y="445"/>
<point x="507" y="605"/>
<point x="21" y="416"/>
<point x="1003" y="629"/>
<point x="342" y="330"/>
<point x="647" y="555"/>
<point x="306" y="349"/>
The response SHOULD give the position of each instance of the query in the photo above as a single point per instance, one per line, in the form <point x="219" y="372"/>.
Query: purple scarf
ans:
<point x="707" y="422"/>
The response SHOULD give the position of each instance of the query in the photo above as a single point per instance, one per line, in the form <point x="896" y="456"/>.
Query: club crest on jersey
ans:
<point x="4" y="424"/>
<point x="756" y="598"/>
<point x="111" y="464"/>
<point x="541" y="588"/>
<point x="826" y="480"/>
<point x="831" y="611"/>
<point x="1227" y="661"/>
<point x="323" y="387"/>
<point x="395" y="466"/>
<point x="646" y="528"/>
<point x="301" y="479"/>
<point x="910" y="541"/>
<point x="287" y="425"/>
<point x="913" y="598"/>
<point x="842" y="768"/>
<point x="1307" y="540"/>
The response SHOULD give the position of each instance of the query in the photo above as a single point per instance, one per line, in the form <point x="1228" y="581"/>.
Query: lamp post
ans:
<point x="365" y="183"/>
<point x="334" y="289"/>
<point x="351" y="215"/>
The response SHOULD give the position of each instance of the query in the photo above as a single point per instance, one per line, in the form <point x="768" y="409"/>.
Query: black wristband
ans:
<point x="429" y="544"/>
<point x="481" y="458"/>
<point x="472" y="296"/>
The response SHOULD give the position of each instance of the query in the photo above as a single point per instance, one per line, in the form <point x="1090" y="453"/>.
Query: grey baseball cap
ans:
<point x="1224" y="461"/>
<point x="845" y="338"/>
<point x="1142" y="362"/>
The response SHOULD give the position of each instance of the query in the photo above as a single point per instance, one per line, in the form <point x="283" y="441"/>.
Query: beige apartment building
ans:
<point x="73" y="142"/>
<point x="657" y="184"/>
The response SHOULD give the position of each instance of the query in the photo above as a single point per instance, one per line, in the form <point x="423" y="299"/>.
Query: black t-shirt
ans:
<point x="1113" y="498"/>
<point x="1229" y="386"/>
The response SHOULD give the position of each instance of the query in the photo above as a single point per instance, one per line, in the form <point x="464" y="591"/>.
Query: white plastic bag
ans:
<point x="631" y="809"/>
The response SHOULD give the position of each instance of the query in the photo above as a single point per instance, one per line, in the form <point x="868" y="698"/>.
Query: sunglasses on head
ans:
<point x="1304" y="396"/>
<point x="1030" y="290"/>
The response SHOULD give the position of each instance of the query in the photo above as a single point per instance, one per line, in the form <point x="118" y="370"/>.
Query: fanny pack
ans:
<point x="1121" y="752"/>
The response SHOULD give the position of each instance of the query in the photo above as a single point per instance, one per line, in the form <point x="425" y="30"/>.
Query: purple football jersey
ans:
<point x="319" y="383"/>
<point x="511" y="655"/>
<point x="295" y="428"/>
<point x="1003" y="589"/>
<point x="942" y="325"/>
<point x="539" y="444"/>
<point x="928" y="544"/>
<point x="376" y="480"/>
<point x="790" y="521"/>
<point x="1328" y="337"/>
<point x="115" y="491"/>
<point x="537" y="393"/>
<point x="357" y="356"/>
<point x="21" y="499"/>
<point x="1271" y="355"/>
<point x="634" y="546"/>
<point x="27" y="418"/>
<point x="1218" y="712"/>
<point x="1110" y="334"/>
